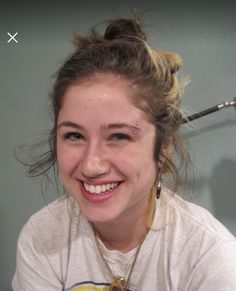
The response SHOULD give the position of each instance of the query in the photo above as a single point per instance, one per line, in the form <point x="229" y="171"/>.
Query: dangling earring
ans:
<point x="158" y="191"/>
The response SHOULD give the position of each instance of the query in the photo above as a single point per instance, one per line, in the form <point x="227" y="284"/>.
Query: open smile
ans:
<point x="100" y="189"/>
<point x="97" y="193"/>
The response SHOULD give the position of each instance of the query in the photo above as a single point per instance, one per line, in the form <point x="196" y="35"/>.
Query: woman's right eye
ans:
<point x="74" y="136"/>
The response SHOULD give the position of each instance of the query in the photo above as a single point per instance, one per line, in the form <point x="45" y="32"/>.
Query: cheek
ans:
<point x="135" y="164"/>
<point x="67" y="160"/>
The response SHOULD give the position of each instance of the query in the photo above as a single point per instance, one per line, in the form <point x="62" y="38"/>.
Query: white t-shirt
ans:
<point x="186" y="249"/>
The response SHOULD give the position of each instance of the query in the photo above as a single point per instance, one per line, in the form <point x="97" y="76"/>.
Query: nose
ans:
<point x="94" y="163"/>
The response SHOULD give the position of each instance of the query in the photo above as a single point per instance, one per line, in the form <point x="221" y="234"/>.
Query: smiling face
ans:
<point x="105" y="148"/>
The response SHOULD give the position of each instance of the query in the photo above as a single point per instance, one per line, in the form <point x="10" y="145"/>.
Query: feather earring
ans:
<point x="158" y="191"/>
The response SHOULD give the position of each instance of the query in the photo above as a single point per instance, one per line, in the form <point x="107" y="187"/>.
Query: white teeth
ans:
<point x="92" y="189"/>
<point x="98" y="189"/>
<point x="86" y="186"/>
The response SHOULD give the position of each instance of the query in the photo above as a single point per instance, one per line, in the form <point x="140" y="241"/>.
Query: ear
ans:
<point x="167" y="148"/>
<point x="166" y="152"/>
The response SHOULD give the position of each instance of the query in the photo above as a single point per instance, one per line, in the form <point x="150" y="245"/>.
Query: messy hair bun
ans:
<point x="120" y="29"/>
<point x="174" y="61"/>
<point x="124" y="28"/>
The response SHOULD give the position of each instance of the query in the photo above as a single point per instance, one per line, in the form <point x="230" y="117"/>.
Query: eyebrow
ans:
<point x="70" y="124"/>
<point x="135" y="129"/>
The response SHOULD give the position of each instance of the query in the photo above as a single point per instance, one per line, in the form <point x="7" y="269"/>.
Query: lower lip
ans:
<point x="97" y="198"/>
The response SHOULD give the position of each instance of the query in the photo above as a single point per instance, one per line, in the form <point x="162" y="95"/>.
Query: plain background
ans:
<point x="202" y="32"/>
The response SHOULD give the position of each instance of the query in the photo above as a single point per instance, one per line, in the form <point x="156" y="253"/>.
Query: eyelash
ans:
<point x="120" y="137"/>
<point x="73" y="136"/>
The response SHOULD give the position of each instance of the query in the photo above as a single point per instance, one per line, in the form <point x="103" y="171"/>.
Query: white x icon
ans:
<point x="12" y="37"/>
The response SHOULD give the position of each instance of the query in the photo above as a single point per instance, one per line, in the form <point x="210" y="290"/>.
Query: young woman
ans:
<point x="117" y="110"/>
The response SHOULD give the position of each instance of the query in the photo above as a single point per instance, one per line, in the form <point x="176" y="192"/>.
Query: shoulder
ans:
<point x="50" y="227"/>
<point x="206" y="248"/>
<point x="189" y="227"/>
<point x="55" y="214"/>
<point x="193" y="218"/>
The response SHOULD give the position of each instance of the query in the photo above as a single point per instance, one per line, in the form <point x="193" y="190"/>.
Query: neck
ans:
<point x="125" y="233"/>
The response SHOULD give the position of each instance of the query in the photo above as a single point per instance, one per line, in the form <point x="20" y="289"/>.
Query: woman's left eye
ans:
<point x="120" y="137"/>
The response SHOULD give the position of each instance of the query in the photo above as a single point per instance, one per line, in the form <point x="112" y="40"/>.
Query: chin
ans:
<point x="99" y="215"/>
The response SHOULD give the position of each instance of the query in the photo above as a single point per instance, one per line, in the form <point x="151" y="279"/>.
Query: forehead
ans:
<point x="100" y="86"/>
<point x="101" y="101"/>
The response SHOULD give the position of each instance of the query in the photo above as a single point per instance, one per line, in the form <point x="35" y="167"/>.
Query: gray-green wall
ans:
<point x="202" y="32"/>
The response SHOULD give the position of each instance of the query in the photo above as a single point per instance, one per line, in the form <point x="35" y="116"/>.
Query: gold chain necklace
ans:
<point x="119" y="283"/>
